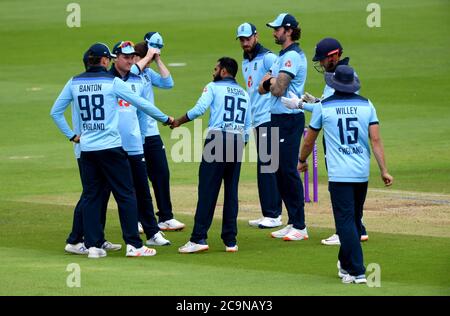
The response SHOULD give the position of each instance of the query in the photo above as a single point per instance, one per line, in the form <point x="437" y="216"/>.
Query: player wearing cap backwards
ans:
<point x="349" y="121"/>
<point x="229" y="123"/>
<point x="256" y="63"/>
<point x="154" y="149"/>
<point x="288" y="74"/>
<point x="132" y="142"/>
<point x="327" y="57"/>
<point x="103" y="161"/>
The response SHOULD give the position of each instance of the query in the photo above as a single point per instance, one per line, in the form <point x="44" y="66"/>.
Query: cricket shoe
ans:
<point x="269" y="222"/>
<point x="231" y="248"/>
<point x="140" y="228"/>
<point x="333" y="240"/>
<point x="296" y="234"/>
<point x="364" y="237"/>
<point x="78" y="249"/>
<point x="95" y="253"/>
<point x="360" y="279"/>
<point x="109" y="246"/>
<point x="255" y="222"/>
<point x="341" y="272"/>
<point x="140" y="252"/>
<point x="192" y="247"/>
<point x="171" y="225"/>
<point x="282" y="232"/>
<point x="158" y="240"/>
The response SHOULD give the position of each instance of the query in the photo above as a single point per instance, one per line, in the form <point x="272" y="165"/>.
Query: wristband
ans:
<point x="301" y="161"/>
<point x="73" y="137"/>
<point x="266" y="84"/>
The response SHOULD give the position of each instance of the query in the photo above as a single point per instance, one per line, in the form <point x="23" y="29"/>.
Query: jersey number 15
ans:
<point x="348" y="128"/>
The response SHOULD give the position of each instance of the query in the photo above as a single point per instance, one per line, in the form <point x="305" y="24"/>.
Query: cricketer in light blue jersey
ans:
<point x="292" y="61"/>
<point x="253" y="70"/>
<point x="346" y="121"/>
<point x="229" y="107"/>
<point x="94" y="95"/>
<point x="151" y="78"/>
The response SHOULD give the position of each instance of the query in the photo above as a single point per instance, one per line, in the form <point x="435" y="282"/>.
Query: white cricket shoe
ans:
<point x="192" y="247"/>
<point x="232" y="248"/>
<point x="255" y="222"/>
<point x="333" y="240"/>
<point x="158" y="240"/>
<point x="140" y="228"/>
<point x="109" y="246"/>
<point x="282" y="232"/>
<point x="360" y="279"/>
<point x="269" y="222"/>
<point x="171" y="225"/>
<point x="140" y="252"/>
<point x="95" y="253"/>
<point x="78" y="249"/>
<point x="296" y="234"/>
<point x="341" y="272"/>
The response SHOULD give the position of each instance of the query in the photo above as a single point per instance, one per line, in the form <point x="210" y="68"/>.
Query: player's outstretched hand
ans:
<point x="76" y="139"/>
<point x="169" y="121"/>
<point x="309" y="98"/>
<point x="387" y="179"/>
<point x="293" y="102"/>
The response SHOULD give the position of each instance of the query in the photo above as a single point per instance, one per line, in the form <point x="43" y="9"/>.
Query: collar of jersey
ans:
<point x="258" y="50"/>
<point x="113" y="71"/>
<point x="293" y="46"/>
<point x="96" y="69"/>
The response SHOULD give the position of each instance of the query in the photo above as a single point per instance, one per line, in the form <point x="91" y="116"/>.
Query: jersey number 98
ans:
<point x="97" y="102"/>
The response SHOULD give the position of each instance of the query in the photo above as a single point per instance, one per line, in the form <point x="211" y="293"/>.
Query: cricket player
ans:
<point x="148" y="52"/>
<point x="288" y="74"/>
<point x="130" y="134"/>
<point x="327" y="57"/>
<point x="103" y="162"/>
<point x="349" y="122"/>
<point x="256" y="63"/>
<point x="75" y="240"/>
<point x="230" y="120"/>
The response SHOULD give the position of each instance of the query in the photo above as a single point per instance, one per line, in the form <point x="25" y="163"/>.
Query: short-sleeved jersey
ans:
<point x="229" y="107"/>
<point x="94" y="96"/>
<point x="151" y="78"/>
<point x="291" y="61"/>
<point x="345" y="119"/>
<point x="253" y="70"/>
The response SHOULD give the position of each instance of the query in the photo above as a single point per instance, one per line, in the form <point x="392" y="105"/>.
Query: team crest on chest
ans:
<point x="133" y="87"/>
<point x="250" y="81"/>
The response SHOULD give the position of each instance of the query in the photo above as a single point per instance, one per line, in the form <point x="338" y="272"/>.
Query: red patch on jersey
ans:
<point x="250" y="81"/>
<point x="123" y="103"/>
<point x="288" y="63"/>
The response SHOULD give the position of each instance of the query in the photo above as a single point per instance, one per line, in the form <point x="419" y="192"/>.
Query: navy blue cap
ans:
<point x="245" y="30"/>
<point x="99" y="50"/>
<point x="124" y="47"/>
<point x="284" y="19"/>
<point x="343" y="79"/>
<point x="326" y="47"/>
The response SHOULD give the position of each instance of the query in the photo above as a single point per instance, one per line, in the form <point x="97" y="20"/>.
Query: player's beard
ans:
<point x="217" y="77"/>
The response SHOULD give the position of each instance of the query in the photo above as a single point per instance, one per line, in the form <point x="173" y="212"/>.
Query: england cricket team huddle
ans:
<point x="119" y="149"/>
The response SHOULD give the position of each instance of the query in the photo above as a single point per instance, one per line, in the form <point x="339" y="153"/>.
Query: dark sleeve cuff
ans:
<point x="374" y="123"/>
<point x="288" y="73"/>
<point x="314" y="129"/>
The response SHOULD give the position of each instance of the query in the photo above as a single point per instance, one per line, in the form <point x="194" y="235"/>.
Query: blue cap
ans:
<point x="154" y="39"/>
<point x="326" y="47"/>
<point x="245" y="30"/>
<point x="343" y="79"/>
<point x="99" y="50"/>
<point x="124" y="47"/>
<point x="284" y="19"/>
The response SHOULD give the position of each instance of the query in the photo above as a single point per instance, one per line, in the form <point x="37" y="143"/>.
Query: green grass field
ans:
<point x="403" y="66"/>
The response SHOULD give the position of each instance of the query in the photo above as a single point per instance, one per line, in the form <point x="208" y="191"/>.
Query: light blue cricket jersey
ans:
<point x="253" y="70"/>
<point x="94" y="95"/>
<point x="345" y="119"/>
<point x="230" y="107"/>
<point x="129" y="129"/>
<point x="291" y="61"/>
<point x="148" y="125"/>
